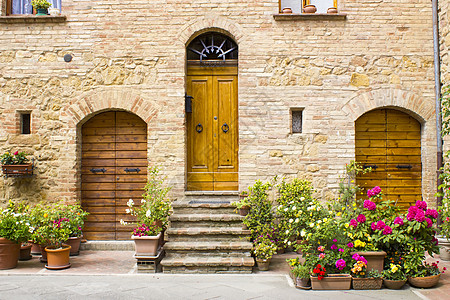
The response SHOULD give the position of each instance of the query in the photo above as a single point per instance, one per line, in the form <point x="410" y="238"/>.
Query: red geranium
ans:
<point x="319" y="271"/>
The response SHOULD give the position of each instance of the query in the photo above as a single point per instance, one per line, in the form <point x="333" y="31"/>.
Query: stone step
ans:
<point x="231" y="234"/>
<point x="210" y="264"/>
<point x="211" y="196"/>
<point x="108" y="245"/>
<point x="202" y="247"/>
<point x="205" y="220"/>
<point x="202" y="208"/>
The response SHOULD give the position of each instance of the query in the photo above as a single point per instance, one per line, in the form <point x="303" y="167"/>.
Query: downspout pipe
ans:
<point x="437" y="88"/>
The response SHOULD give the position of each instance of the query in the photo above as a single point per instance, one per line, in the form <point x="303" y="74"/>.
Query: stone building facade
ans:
<point x="131" y="56"/>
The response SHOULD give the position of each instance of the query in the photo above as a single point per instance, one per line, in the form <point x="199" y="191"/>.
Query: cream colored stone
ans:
<point x="359" y="80"/>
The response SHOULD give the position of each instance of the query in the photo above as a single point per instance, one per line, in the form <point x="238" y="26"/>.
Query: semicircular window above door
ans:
<point x="113" y="170"/>
<point x="388" y="140"/>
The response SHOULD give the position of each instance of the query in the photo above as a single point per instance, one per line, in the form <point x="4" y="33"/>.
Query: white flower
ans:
<point x="127" y="210"/>
<point x="286" y="209"/>
<point x="325" y="220"/>
<point x="122" y="222"/>
<point x="294" y="208"/>
<point x="311" y="225"/>
<point x="319" y="221"/>
<point x="287" y="231"/>
<point x="143" y="201"/>
<point x="302" y="198"/>
<point x="318" y="226"/>
<point x="289" y="243"/>
<point x="303" y="232"/>
<point x="148" y="213"/>
<point x="297" y="220"/>
<point x="130" y="203"/>
<point x="290" y="220"/>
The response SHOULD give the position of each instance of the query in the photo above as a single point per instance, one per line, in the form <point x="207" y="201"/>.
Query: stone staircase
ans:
<point x="206" y="236"/>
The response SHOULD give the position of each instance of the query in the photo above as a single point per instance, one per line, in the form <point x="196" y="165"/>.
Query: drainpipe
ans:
<point x="437" y="88"/>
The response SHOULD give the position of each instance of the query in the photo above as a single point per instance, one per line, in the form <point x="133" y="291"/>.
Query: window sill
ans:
<point x="32" y="19"/>
<point x="305" y="17"/>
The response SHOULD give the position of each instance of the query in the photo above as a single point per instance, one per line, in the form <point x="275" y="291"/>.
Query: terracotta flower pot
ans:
<point x="309" y="9"/>
<point x="394" y="284"/>
<point x="58" y="259"/>
<point x="43" y="254"/>
<point x="287" y="10"/>
<point x="303" y="283"/>
<point x="9" y="254"/>
<point x="263" y="264"/>
<point x="332" y="10"/>
<point x="25" y="252"/>
<point x="444" y="248"/>
<point x="244" y="210"/>
<point x="375" y="259"/>
<point x="146" y="245"/>
<point x="35" y="249"/>
<point x="74" y="243"/>
<point x="424" y="282"/>
<point x="332" y="282"/>
<point x="367" y="283"/>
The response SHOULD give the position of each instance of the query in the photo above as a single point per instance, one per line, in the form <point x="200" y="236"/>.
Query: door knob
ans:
<point x="225" y="127"/>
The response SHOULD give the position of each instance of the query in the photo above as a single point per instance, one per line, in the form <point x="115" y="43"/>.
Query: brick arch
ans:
<point x="405" y="100"/>
<point x="81" y="109"/>
<point x="210" y="23"/>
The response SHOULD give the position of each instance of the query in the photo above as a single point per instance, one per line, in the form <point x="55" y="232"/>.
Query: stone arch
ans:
<point x="84" y="107"/>
<point x="408" y="101"/>
<point x="210" y="23"/>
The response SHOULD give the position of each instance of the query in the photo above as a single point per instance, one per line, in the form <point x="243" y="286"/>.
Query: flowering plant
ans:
<point x="76" y="217"/>
<point x="155" y="206"/>
<point x="394" y="272"/>
<point x="17" y="158"/>
<point x="14" y="225"/>
<point x="359" y="267"/>
<point x="319" y="271"/>
<point x="38" y="4"/>
<point x="144" y="230"/>
<point x="264" y="249"/>
<point x="426" y="269"/>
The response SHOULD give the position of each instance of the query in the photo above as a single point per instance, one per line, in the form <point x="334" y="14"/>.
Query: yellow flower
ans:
<point x="45" y="215"/>
<point x="346" y="225"/>
<point x="338" y="214"/>
<point x="354" y="204"/>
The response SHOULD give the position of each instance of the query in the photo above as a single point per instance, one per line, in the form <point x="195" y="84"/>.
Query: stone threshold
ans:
<point x="211" y="193"/>
<point x="108" y="245"/>
<point x="309" y="17"/>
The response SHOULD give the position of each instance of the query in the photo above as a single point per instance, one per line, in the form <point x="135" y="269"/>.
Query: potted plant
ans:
<point x="243" y="206"/>
<point x="16" y="164"/>
<point x="302" y="276"/>
<point x="394" y="278"/>
<point x="363" y="279"/>
<point x="41" y="7"/>
<point x="76" y="216"/>
<point x="152" y="215"/>
<point x="14" y="229"/>
<point x="426" y="276"/>
<point x="25" y="251"/>
<point x="264" y="249"/>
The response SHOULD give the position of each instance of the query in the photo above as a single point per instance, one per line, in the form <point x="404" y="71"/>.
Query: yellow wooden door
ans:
<point x="212" y="129"/>
<point x="388" y="140"/>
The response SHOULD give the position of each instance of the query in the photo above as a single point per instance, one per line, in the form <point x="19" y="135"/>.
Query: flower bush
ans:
<point x="264" y="248"/>
<point x="38" y="4"/>
<point x="427" y="269"/>
<point x="394" y="272"/>
<point x="17" y="158"/>
<point x="14" y="224"/>
<point x="155" y="206"/>
<point x="359" y="267"/>
<point x="76" y="217"/>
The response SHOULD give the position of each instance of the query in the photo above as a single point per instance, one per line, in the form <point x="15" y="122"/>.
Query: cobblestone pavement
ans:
<point x="113" y="275"/>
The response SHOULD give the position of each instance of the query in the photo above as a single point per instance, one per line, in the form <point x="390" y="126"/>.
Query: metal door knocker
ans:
<point x="225" y="127"/>
<point x="199" y="128"/>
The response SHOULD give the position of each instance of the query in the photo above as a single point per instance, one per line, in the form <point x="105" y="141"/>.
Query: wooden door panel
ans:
<point x="90" y="178"/>
<point x="98" y="154"/>
<point x="95" y="162"/>
<point x="91" y="139"/>
<point x="98" y="131"/>
<point x="132" y="138"/>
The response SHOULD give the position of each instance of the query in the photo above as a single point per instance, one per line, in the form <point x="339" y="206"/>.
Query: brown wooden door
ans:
<point x="389" y="141"/>
<point x="114" y="147"/>
<point x="212" y="129"/>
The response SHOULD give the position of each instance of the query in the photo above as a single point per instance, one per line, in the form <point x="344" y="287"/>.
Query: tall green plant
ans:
<point x="444" y="188"/>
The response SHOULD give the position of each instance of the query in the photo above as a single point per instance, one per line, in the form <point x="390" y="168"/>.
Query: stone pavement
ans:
<point x="113" y="275"/>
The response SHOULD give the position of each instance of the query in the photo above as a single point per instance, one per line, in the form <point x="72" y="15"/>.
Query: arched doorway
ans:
<point x="388" y="140"/>
<point x="212" y="125"/>
<point x="113" y="170"/>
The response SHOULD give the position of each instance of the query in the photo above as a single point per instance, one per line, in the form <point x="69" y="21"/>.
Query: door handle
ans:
<point x="225" y="127"/>
<point x="137" y="170"/>
<point x="95" y="171"/>
<point x="199" y="128"/>
<point x="404" y="167"/>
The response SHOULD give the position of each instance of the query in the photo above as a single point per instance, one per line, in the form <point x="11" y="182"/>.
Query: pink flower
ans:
<point x="410" y="216"/>
<point x="322" y="255"/>
<point x="335" y="240"/>
<point x="341" y="250"/>
<point x="353" y="223"/>
<point x="387" y="230"/>
<point x="429" y="222"/>
<point x="398" y="221"/>
<point x="420" y="216"/>
<point x="369" y="205"/>
<point x="380" y="225"/>
<point x="373" y="226"/>
<point x="333" y="247"/>
<point x="421" y="204"/>
<point x="350" y="245"/>
<point x="16" y="153"/>
<point x="321" y="248"/>
<point x="358" y="257"/>
<point x="340" y="264"/>
<point x="361" y="218"/>
<point x="432" y="213"/>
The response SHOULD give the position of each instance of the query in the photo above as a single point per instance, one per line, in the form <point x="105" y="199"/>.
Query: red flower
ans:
<point x="17" y="152"/>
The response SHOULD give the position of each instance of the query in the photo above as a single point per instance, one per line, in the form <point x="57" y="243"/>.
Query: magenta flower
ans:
<point x="387" y="230"/>
<point x="421" y="204"/>
<point x="380" y="225"/>
<point x="398" y="221"/>
<point x="373" y="226"/>
<point x="322" y="255"/>
<point x="369" y="205"/>
<point x="358" y="257"/>
<point x="429" y="222"/>
<point x="335" y="240"/>
<point x="341" y="250"/>
<point x="410" y="216"/>
<point x="340" y="264"/>
<point x="361" y="218"/>
<point x="353" y="223"/>
<point x="431" y="213"/>
<point x="350" y="245"/>
<point x="333" y="247"/>
<point x="16" y="153"/>
<point x="420" y="216"/>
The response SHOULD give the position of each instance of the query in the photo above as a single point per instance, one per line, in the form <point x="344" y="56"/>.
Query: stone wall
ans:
<point x="130" y="55"/>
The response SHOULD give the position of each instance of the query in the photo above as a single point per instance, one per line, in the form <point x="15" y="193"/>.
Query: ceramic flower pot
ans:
<point x="41" y="11"/>
<point x="444" y="248"/>
<point x="9" y="254"/>
<point x="244" y="210"/>
<point x="263" y="264"/>
<point x="394" y="284"/>
<point x="332" y="282"/>
<point x="424" y="282"/>
<point x="375" y="259"/>
<point x="25" y="252"/>
<point x="74" y="243"/>
<point x="287" y="10"/>
<point x="309" y="9"/>
<point x="367" y="283"/>
<point x="146" y="245"/>
<point x="35" y="249"/>
<point x="303" y="283"/>
<point x="332" y="10"/>
<point x="58" y="259"/>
